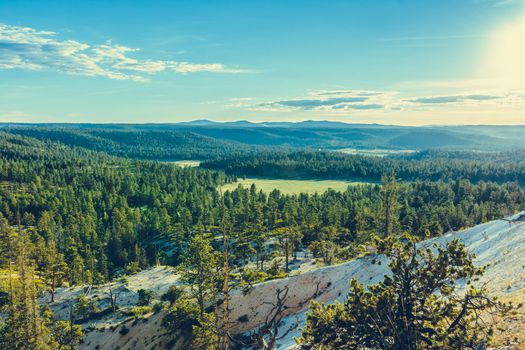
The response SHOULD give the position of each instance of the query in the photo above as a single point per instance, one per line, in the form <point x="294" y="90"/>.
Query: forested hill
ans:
<point x="96" y="212"/>
<point x="240" y="150"/>
<point x="102" y="215"/>
<point x="155" y="144"/>
<point x="206" y="140"/>
<point x="432" y="165"/>
<point x="71" y="216"/>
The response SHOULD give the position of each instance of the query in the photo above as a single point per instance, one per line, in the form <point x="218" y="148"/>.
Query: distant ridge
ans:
<point x="317" y="134"/>
<point x="301" y="124"/>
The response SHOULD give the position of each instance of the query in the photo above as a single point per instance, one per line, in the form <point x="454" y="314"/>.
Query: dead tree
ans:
<point x="113" y="299"/>
<point x="270" y="327"/>
<point x="267" y="335"/>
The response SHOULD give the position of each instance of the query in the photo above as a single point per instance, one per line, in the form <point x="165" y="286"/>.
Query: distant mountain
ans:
<point x="206" y="137"/>
<point x="309" y="124"/>
<point x="198" y="122"/>
<point x="303" y="124"/>
<point x="211" y="123"/>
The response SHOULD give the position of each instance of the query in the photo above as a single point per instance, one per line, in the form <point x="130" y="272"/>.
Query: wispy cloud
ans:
<point x="345" y="101"/>
<point x="31" y="49"/>
<point x="454" y="99"/>
<point x="503" y="2"/>
<point x="433" y="37"/>
<point x="325" y="100"/>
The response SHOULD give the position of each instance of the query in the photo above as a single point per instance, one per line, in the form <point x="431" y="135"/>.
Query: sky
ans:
<point x="406" y="62"/>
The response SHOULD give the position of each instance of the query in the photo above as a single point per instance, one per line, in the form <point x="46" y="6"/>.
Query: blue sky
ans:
<point x="394" y="61"/>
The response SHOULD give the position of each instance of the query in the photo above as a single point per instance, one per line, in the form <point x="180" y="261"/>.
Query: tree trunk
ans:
<point x="53" y="290"/>
<point x="286" y="254"/>
<point x="226" y="296"/>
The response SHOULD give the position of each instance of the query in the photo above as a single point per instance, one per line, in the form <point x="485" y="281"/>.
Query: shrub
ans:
<point x="182" y="315"/>
<point x="139" y="311"/>
<point x="84" y="307"/>
<point x="173" y="294"/>
<point x="157" y="307"/>
<point x="145" y="297"/>
<point x="132" y="268"/>
<point x="249" y="277"/>
<point x="124" y="330"/>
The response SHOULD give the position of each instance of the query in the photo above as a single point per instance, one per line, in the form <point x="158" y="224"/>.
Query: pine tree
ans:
<point x="417" y="307"/>
<point x="25" y="326"/>
<point x="389" y="191"/>
<point x="198" y="271"/>
<point x="287" y="238"/>
<point x="54" y="269"/>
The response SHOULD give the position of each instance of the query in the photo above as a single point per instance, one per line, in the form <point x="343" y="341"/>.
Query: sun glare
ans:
<point x="505" y="59"/>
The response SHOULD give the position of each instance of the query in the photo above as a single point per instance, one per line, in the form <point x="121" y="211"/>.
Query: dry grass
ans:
<point x="187" y="163"/>
<point x="292" y="186"/>
<point x="510" y="330"/>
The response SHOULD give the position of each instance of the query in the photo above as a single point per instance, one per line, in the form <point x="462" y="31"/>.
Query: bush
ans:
<point x="124" y="330"/>
<point x="249" y="277"/>
<point x="157" y="307"/>
<point x="84" y="307"/>
<point x="173" y="294"/>
<point x="139" y="311"/>
<point x="243" y="319"/>
<point x="275" y="271"/>
<point x="182" y="315"/>
<point x="132" y="268"/>
<point x="145" y="297"/>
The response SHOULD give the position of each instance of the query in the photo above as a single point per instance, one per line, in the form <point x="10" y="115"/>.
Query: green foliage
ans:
<point x="25" y="324"/>
<point x="139" y="311"/>
<point x="417" y="306"/>
<point x="389" y="190"/>
<point x="87" y="217"/>
<point x="85" y="307"/>
<point x="249" y="277"/>
<point x="204" y="335"/>
<point x="198" y="270"/>
<point x="325" y="250"/>
<point x="145" y="297"/>
<point x="182" y="316"/>
<point x="326" y="247"/>
<point x="96" y="216"/>
<point x="132" y="268"/>
<point x="65" y="336"/>
<point x="142" y="144"/>
<point x="275" y="271"/>
<point x="173" y="294"/>
<point x="93" y="213"/>
<point x="289" y="239"/>
<point x="158" y="306"/>
<point x="434" y="165"/>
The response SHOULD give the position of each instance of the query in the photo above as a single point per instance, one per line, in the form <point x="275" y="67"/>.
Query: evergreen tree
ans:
<point x="389" y="190"/>
<point x="198" y="271"/>
<point x="25" y="325"/>
<point x="418" y="306"/>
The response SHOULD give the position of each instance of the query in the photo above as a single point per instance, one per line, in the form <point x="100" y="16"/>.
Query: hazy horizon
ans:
<point x="256" y="122"/>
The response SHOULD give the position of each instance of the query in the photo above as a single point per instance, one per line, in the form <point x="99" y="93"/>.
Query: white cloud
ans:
<point x="336" y="101"/>
<point x="360" y="101"/>
<point x="30" y="49"/>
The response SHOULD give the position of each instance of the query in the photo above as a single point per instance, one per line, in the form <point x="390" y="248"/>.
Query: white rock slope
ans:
<point x="499" y="244"/>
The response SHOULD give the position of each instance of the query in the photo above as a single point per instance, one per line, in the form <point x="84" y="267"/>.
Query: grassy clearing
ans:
<point x="292" y="186"/>
<point x="378" y="152"/>
<point x="187" y="163"/>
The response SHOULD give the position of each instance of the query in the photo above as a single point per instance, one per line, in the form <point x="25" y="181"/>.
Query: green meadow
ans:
<point x="292" y="186"/>
<point x="187" y="163"/>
